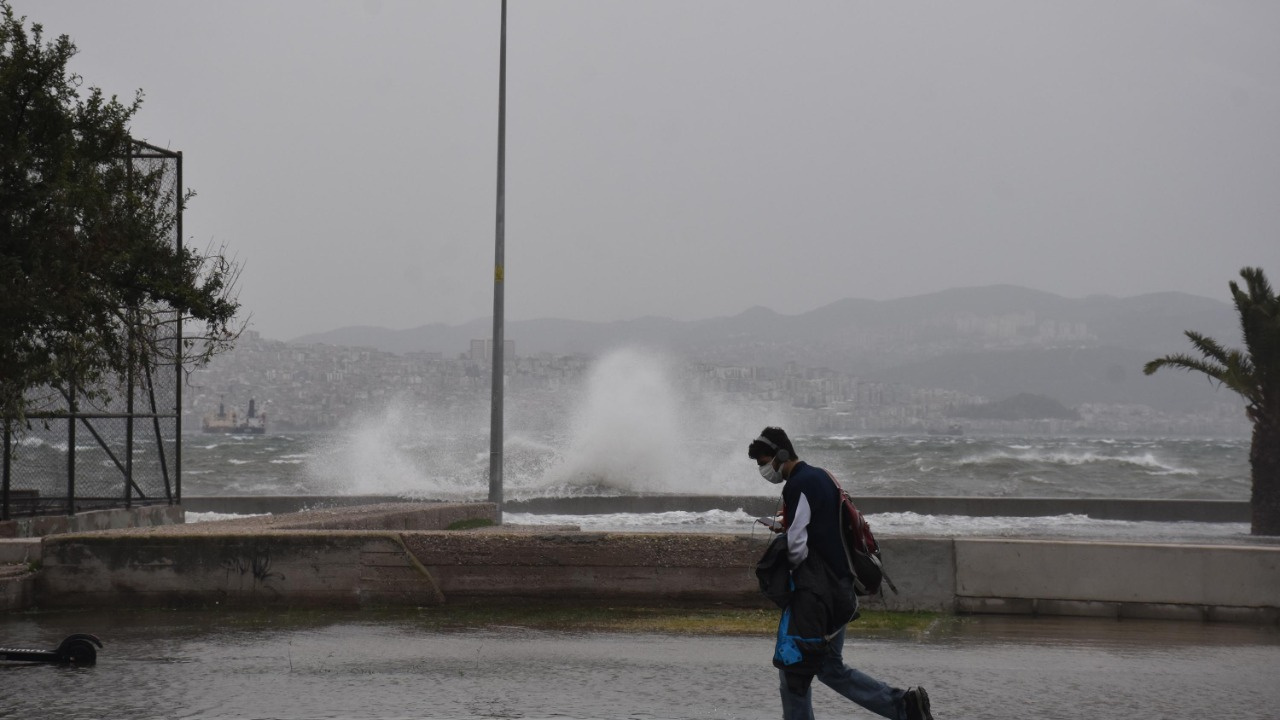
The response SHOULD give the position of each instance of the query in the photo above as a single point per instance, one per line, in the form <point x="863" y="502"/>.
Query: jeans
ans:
<point x="859" y="687"/>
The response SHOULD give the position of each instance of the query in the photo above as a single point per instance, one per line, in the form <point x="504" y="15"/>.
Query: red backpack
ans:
<point x="861" y="548"/>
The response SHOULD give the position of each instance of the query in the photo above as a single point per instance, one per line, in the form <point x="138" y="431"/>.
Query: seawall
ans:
<point x="1100" y="508"/>
<point x="402" y="555"/>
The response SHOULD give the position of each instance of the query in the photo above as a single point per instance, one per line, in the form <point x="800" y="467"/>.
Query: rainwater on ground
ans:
<point x="391" y="665"/>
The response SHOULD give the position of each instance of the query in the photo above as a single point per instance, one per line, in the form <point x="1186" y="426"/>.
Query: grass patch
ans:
<point x="562" y="616"/>
<point x="470" y="524"/>
<point x="689" y="620"/>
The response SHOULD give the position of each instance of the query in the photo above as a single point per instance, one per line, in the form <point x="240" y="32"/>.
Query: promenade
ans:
<point x="392" y="665"/>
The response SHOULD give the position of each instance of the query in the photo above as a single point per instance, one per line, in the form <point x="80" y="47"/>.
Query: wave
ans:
<point x="1061" y="457"/>
<point x="1067" y="525"/>
<point x="888" y="525"/>
<point x="36" y="442"/>
<point x="710" y="521"/>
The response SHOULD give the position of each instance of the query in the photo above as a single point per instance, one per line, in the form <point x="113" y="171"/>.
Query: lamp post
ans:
<point x="499" y="345"/>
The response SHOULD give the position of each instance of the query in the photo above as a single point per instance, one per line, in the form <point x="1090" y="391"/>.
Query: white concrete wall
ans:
<point x="1098" y="572"/>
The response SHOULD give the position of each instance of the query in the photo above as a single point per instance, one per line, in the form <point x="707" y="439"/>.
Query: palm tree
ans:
<point x="1255" y="374"/>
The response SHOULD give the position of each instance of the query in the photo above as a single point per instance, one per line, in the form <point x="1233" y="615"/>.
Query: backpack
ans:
<point x="861" y="548"/>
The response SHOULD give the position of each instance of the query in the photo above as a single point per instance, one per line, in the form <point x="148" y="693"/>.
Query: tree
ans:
<point x="1255" y="374"/>
<point x="90" y="273"/>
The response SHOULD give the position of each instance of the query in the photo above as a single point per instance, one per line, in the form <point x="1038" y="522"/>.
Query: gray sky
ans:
<point x="693" y="159"/>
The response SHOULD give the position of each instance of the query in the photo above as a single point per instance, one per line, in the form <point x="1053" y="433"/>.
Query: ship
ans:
<point x="222" y="423"/>
<point x="952" y="429"/>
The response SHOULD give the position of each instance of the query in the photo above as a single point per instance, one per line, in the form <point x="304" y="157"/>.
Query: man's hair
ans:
<point x="770" y="441"/>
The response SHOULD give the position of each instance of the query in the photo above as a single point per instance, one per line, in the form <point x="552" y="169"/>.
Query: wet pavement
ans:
<point x="167" y="664"/>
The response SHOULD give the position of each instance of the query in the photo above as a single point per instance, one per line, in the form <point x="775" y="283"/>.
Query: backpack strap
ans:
<point x="848" y="559"/>
<point x="840" y="498"/>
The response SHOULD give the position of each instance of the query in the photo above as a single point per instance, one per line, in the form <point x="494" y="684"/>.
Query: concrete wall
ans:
<point x="331" y="558"/>
<point x="294" y="568"/>
<point x="639" y="567"/>
<point x="923" y="570"/>
<point x="1118" y="579"/>
<point x="17" y="588"/>
<point x="89" y="521"/>
<point x="288" y="561"/>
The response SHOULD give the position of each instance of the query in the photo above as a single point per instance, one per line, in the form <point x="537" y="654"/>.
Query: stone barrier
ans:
<point x="591" y="566"/>
<point x="1118" y="579"/>
<point x="90" y="520"/>
<point x="304" y="568"/>
<point x="398" y="555"/>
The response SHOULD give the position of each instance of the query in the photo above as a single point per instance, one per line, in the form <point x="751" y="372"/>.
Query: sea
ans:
<point x="389" y="459"/>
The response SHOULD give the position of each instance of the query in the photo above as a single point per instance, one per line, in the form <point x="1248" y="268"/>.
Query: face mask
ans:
<point x="768" y="473"/>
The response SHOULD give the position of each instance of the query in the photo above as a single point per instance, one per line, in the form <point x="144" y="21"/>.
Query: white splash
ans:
<point x="633" y="426"/>
<point x="638" y="429"/>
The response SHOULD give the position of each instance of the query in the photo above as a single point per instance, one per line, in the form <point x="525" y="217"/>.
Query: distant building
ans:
<point x="482" y="350"/>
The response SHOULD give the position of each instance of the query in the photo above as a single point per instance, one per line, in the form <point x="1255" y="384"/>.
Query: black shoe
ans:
<point x="917" y="701"/>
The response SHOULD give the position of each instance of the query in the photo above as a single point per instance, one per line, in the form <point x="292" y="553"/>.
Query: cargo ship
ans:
<point x="252" y="424"/>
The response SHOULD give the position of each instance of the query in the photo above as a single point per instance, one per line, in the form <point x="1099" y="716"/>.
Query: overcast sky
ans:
<point x="693" y="159"/>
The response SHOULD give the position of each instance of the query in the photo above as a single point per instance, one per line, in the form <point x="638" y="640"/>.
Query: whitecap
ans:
<point x="196" y="517"/>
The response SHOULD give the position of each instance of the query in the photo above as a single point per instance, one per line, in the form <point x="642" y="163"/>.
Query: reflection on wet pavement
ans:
<point x="391" y="665"/>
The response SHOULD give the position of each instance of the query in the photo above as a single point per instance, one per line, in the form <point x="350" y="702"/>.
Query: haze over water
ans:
<point x="632" y="429"/>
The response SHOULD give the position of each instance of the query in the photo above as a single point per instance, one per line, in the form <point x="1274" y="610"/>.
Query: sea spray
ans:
<point x="417" y="452"/>
<point x="635" y="424"/>
<point x="640" y="428"/>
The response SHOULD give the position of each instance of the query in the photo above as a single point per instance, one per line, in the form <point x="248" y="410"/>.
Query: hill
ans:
<point x="994" y="341"/>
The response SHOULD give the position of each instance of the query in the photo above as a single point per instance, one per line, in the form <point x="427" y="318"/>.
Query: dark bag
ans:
<point x="861" y="548"/>
<point x="773" y="572"/>
<point x="822" y="603"/>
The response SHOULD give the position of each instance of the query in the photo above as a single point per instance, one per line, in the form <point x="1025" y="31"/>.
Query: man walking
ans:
<point x="811" y="632"/>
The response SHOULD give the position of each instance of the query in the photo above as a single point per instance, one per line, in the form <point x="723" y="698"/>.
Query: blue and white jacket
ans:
<point x="812" y="519"/>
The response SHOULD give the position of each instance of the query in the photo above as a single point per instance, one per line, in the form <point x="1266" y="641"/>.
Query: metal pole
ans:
<point x="176" y="498"/>
<point x="71" y="448"/>
<point x="129" y="374"/>
<point x="4" y="487"/>
<point x="128" y="423"/>
<point x="495" y="419"/>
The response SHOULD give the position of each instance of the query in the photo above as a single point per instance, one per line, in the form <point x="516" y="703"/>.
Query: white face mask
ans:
<point x="768" y="473"/>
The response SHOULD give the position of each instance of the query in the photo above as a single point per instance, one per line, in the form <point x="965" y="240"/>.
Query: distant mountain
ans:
<point x="994" y="341"/>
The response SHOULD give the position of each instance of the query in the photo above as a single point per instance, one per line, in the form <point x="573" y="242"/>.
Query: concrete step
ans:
<point x="17" y="587"/>
<point x="19" y="550"/>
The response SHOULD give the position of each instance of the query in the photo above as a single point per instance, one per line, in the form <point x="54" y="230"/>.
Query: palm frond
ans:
<point x="1191" y="364"/>
<point x="1259" y="310"/>
<point x="1211" y="348"/>
<point x="1242" y="377"/>
<point x="1259" y="289"/>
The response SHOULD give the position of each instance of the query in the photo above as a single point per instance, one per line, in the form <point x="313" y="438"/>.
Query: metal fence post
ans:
<point x="4" y="485"/>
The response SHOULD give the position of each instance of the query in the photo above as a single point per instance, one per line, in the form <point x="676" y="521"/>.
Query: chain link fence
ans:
<point x="117" y="447"/>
